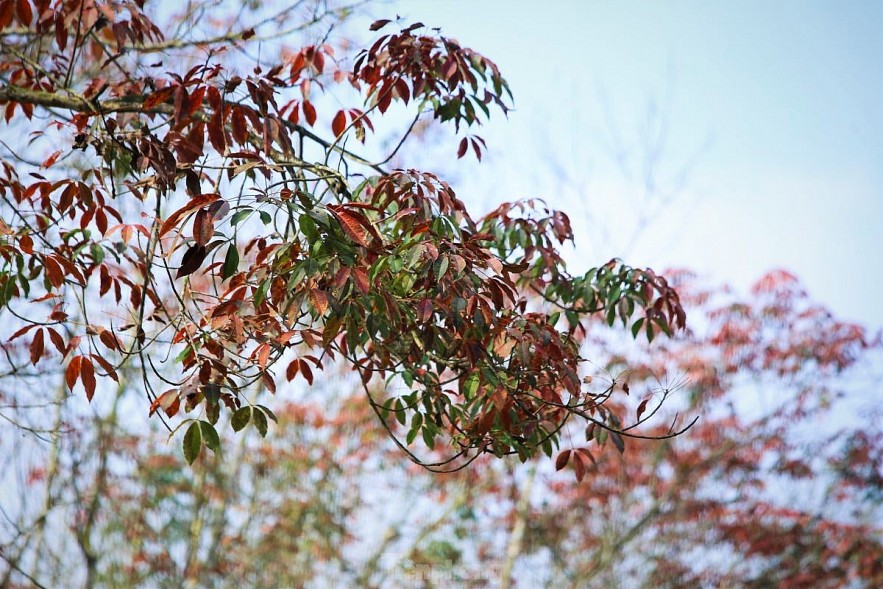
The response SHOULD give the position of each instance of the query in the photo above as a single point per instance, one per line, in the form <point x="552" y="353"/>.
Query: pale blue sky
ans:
<point x="782" y="103"/>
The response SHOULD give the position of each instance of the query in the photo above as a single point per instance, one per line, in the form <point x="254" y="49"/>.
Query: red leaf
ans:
<point x="379" y="24"/>
<point x="579" y="467"/>
<point x="158" y="97"/>
<point x="203" y="227"/>
<point x="87" y="377"/>
<point x="25" y="13"/>
<point x="319" y="299"/>
<point x="352" y="224"/>
<point x="240" y="125"/>
<point x="72" y="373"/>
<point x="57" y="341"/>
<point x="37" y="347"/>
<point x="53" y="272"/>
<point x="424" y="310"/>
<point x="292" y="370"/>
<point x="216" y="132"/>
<point x="562" y="460"/>
<point x="195" y="202"/>
<point x="306" y="371"/>
<point x="309" y="112"/>
<point x="642" y="407"/>
<point x="338" y="125"/>
<point x="361" y="279"/>
<point x="464" y="145"/>
<point x="269" y="382"/>
<point x="192" y="260"/>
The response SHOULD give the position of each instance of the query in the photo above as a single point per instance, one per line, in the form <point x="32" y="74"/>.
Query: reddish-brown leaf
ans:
<point x="158" y="97"/>
<point x="464" y="145"/>
<point x="240" y="125"/>
<point x="319" y="300"/>
<point x="306" y="371"/>
<point x="72" y="372"/>
<point x="338" y="125"/>
<point x="192" y="260"/>
<point x="106" y="366"/>
<point x="26" y="244"/>
<point x="309" y="112"/>
<point x="203" y="227"/>
<point x="37" y="347"/>
<point x="53" y="272"/>
<point x="424" y="310"/>
<point x="195" y="203"/>
<point x="87" y="377"/>
<point x="216" y="132"/>
<point x="57" y="341"/>
<point x="292" y="370"/>
<point x="579" y="467"/>
<point x="360" y="277"/>
<point x="269" y="382"/>
<point x="562" y="460"/>
<point x="352" y="224"/>
<point x="25" y="12"/>
<point x="263" y="355"/>
<point x="642" y="407"/>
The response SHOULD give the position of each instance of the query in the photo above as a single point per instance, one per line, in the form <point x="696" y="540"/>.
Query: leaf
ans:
<point x="470" y="386"/>
<point x="231" y="262"/>
<point x="239" y="125"/>
<point x="641" y="408"/>
<point x="338" y="125"/>
<point x="203" y="227"/>
<point x="241" y="418"/>
<point x="424" y="310"/>
<point x="319" y="300"/>
<point x="464" y="145"/>
<point x="292" y="370"/>
<point x="194" y="203"/>
<point x="562" y="460"/>
<point x="360" y="277"/>
<point x="352" y="225"/>
<point x="379" y="24"/>
<point x="192" y="442"/>
<point x="617" y="441"/>
<point x="216" y="132"/>
<point x="37" y="347"/>
<point x="260" y="422"/>
<point x="309" y="112"/>
<point x="72" y="372"/>
<point x="87" y="377"/>
<point x="210" y="436"/>
<point x="579" y="468"/>
<point x="192" y="260"/>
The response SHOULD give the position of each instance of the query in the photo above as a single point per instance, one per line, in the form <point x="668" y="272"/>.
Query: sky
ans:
<point x="751" y="131"/>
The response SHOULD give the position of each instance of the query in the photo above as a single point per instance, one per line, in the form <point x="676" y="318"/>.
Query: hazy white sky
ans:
<point x="774" y="109"/>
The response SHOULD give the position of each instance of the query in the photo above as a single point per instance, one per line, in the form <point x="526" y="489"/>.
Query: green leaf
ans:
<point x="231" y="262"/>
<point x="470" y="386"/>
<point x="617" y="441"/>
<point x="210" y="436"/>
<point x="269" y="413"/>
<point x="260" y="422"/>
<point x="239" y="216"/>
<point x="261" y="293"/>
<point x="266" y="219"/>
<point x="428" y="438"/>
<point x="308" y="227"/>
<point x="241" y="418"/>
<point x="192" y="442"/>
<point x="636" y="327"/>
